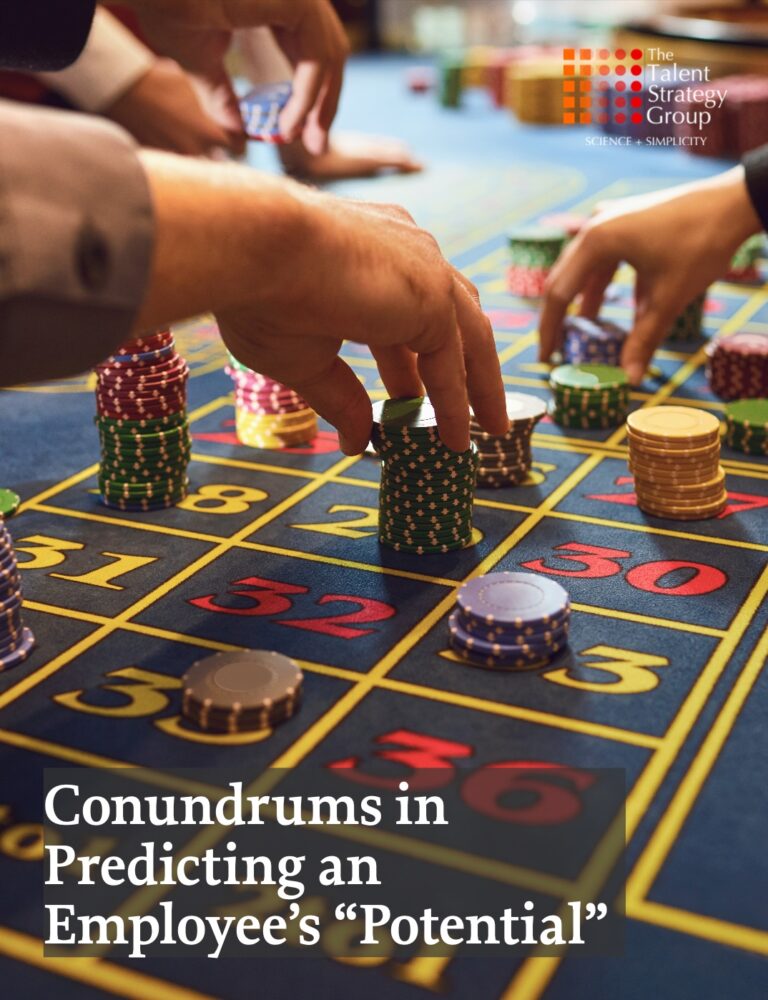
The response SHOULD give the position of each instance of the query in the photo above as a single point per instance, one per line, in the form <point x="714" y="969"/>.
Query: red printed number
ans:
<point x="597" y="562"/>
<point x="272" y="598"/>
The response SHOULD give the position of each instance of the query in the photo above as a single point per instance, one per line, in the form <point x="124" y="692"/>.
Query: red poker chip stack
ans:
<point x="141" y="403"/>
<point x="528" y="282"/>
<point x="737" y="366"/>
<point x="739" y="125"/>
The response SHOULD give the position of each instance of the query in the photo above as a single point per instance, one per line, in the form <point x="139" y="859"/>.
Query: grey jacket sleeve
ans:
<point x="76" y="240"/>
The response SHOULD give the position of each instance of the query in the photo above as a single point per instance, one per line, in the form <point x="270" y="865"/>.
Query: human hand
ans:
<point x="349" y="156"/>
<point x="367" y="273"/>
<point x="164" y="111"/>
<point x="678" y="241"/>
<point x="308" y="31"/>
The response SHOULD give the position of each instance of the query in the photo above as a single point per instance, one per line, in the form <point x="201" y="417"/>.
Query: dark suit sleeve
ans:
<point x="76" y="241"/>
<point x="756" y="173"/>
<point x="43" y="34"/>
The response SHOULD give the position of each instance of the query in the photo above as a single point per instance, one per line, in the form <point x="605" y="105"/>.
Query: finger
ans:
<point x="337" y="395"/>
<point x="486" y="389"/>
<point x="307" y="81"/>
<point x="444" y="377"/>
<point x="594" y="293"/>
<point x="568" y="277"/>
<point x="321" y="120"/>
<point x="399" y="371"/>
<point x="648" y="331"/>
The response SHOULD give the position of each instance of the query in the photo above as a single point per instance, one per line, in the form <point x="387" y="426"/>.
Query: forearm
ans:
<point x="75" y="242"/>
<point x="223" y="235"/>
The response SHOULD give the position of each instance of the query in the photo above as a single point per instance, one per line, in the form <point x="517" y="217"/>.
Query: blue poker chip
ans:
<point x="528" y="635"/>
<point x="147" y="356"/>
<point x="501" y="649"/>
<point x="261" y="109"/>
<point x="513" y="600"/>
<point x="19" y="652"/>
<point x="510" y="663"/>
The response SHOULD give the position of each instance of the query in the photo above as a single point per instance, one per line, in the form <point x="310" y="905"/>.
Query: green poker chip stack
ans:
<point x="589" y="397"/>
<point x="427" y="490"/>
<point x="144" y="462"/>
<point x="746" y="426"/>
<point x="687" y="326"/>
<point x="451" y="69"/>
<point x="536" y="246"/>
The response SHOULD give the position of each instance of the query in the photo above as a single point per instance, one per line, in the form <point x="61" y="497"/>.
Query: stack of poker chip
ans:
<point x="588" y="396"/>
<point x="746" y="426"/>
<point x="737" y="366"/>
<point x="141" y="402"/>
<point x="510" y="621"/>
<point x="744" y="263"/>
<point x="687" y="325"/>
<point x="533" y="251"/>
<point x="589" y="341"/>
<point x="16" y="640"/>
<point x="505" y="460"/>
<point x="240" y="692"/>
<point x="427" y="490"/>
<point x="267" y="413"/>
<point x="450" y="76"/>
<point x="674" y="456"/>
<point x="534" y="91"/>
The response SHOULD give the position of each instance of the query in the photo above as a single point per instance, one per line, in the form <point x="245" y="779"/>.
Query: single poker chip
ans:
<point x="411" y="414"/>
<point x="9" y="503"/>
<point x="512" y="600"/>
<point x="241" y="687"/>
<point x="683" y="513"/>
<point x="746" y="413"/>
<point x="261" y="109"/>
<point x="591" y="377"/>
<point x="518" y="664"/>
<point x="671" y="423"/>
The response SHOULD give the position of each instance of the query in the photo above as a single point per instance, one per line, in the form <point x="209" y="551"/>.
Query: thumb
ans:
<point x="338" y="396"/>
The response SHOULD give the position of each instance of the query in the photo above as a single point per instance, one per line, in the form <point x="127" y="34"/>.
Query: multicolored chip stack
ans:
<point x="16" y="640"/>
<point x="737" y="366"/>
<point x="267" y="413"/>
<point x="533" y="251"/>
<point x="427" y="490"/>
<point x="687" y="326"/>
<point x="588" y="341"/>
<point x="242" y="692"/>
<point x="589" y="397"/>
<point x="141" y="402"/>
<point x="506" y="460"/>
<point x="674" y="456"/>
<point x="510" y="621"/>
<point x="261" y="108"/>
<point x="743" y="266"/>
<point x="746" y="426"/>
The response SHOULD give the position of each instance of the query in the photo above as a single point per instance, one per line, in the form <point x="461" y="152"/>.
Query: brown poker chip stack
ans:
<point x="247" y="691"/>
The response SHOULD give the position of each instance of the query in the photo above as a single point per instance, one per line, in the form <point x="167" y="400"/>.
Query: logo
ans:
<point x="602" y="86"/>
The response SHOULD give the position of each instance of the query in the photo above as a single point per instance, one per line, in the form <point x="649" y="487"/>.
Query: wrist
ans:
<point x="225" y="236"/>
<point x="737" y="215"/>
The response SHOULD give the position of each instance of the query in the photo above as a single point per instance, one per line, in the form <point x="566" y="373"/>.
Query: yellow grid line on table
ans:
<point x="222" y="546"/>
<point x="535" y="974"/>
<point x="672" y="821"/>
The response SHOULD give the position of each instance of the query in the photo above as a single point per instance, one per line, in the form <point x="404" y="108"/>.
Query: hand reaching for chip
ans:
<point x="678" y="241"/>
<point x="296" y="272"/>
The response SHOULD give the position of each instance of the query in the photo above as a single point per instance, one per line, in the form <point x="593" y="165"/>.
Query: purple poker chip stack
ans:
<point x="510" y="621"/>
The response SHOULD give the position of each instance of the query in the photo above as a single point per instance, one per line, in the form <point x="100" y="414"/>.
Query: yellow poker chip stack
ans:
<point x="268" y="414"/>
<point x="674" y="456"/>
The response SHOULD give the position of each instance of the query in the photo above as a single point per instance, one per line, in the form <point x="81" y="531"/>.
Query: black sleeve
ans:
<point x="43" y="34"/>
<point x="756" y="171"/>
